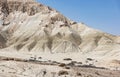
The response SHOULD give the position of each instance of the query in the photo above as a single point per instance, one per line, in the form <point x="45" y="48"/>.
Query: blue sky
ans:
<point x="100" y="14"/>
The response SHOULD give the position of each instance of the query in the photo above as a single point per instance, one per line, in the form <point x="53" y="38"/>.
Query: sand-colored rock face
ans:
<point x="30" y="26"/>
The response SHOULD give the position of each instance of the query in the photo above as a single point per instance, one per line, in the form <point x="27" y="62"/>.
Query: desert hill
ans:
<point x="30" y="26"/>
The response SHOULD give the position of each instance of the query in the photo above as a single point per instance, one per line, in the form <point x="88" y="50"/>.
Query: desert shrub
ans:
<point x="72" y="63"/>
<point x="67" y="67"/>
<point x="55" y="62"/>
<point x="89" y="59"/>
<point x="50" y="8"/>
<point x="63" y="72"/>
<point x="97" y="73"/>
<point x="62" y="65"/>
<point x="17" y="59"/>
<point x="11" y="59"/>
<point x="74" y="23"/>
<point x="79" y="62"/>
<point x="67" y="59"/>
<point x="2" y="70"/>
<point x="89" y="76"/>
<point x="6" y="59"/>
<point x="58" y="17"/>
<point x="39" y="57"/>
<point x="78" y="74"/>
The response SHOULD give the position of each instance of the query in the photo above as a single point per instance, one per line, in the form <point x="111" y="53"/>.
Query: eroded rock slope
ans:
<point x="30" y="26"/>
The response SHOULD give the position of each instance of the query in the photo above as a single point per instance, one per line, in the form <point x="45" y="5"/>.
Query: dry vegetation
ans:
<point x="19" y="67"/>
